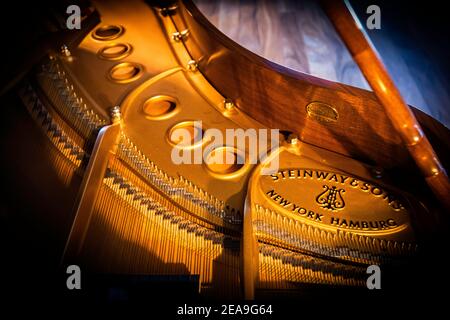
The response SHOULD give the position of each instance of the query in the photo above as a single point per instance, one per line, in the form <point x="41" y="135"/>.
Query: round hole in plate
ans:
<point x="187" y="134"/>
<point x="224" y="160"/>
<point x="107" y="32"/>
<point x="125" y="72"/>
<point x="160" y="107"/>
<point x="115" y="51"/>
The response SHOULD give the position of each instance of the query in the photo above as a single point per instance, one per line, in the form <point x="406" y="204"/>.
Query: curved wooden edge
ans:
<point x="437" y="134"/>
<point x="278" y="97"/>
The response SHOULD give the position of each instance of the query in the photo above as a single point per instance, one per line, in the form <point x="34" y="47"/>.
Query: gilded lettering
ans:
<point x="284" y="202"/>
<point x="354" y="183"/>
<point x="271" y="193"/>
<point x="307" y="173"/>
<point x="334" y="221"/>
<point x="291" y="174"/>
<point x="334" y="177"/>
<point x="378" y="191"/>
<point x="365" y="186"/>
<point x="391" y="222"/>
<point x="373" y="224"/>
<point x="354" y="224"/>
<point x="321" y="175"/>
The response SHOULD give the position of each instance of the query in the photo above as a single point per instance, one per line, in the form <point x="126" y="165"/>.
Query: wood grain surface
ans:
<point x="298" y="35"/>
<point x="278" y="97"/>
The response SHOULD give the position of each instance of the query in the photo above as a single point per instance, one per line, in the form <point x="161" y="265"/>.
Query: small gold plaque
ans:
<point x="322" y="112"/>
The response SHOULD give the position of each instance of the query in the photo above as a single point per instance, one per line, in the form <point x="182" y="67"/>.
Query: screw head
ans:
<point x="192" y="65"/>
<point x="176" y="36"/>
<point x="292" y="139"/>
<point x="65" y="51"/>
<point x="115" y="114"/>
<point x="180" y="35"/>
<point x="229" y="104"/>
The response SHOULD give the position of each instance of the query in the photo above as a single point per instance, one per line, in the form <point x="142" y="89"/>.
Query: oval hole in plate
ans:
<point x="107" y="32"/>
<point x="186" y="134"/>
<point x="224" y="160"/>
<point x="160" y="107"/>
<point x="125" y="72"/>
<point x="115" y="51"/>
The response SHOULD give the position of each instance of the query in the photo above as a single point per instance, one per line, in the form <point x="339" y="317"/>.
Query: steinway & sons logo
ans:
<point x="331" y="198"/>
<point x="334" y="199"/>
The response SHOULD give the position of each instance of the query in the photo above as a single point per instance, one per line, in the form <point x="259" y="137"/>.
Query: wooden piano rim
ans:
<point x="379" y="145"/>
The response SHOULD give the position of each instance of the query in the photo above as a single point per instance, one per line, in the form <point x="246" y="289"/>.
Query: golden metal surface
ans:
<point x="333" y="200"/>
<point x="141" y="182"/>
<point x="326" y="210"/>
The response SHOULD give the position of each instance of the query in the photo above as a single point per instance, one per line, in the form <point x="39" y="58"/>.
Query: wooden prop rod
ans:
<point x="365" y="55"/>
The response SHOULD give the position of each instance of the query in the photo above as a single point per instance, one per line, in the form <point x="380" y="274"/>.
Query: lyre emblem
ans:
<point x="331" y="198"/>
